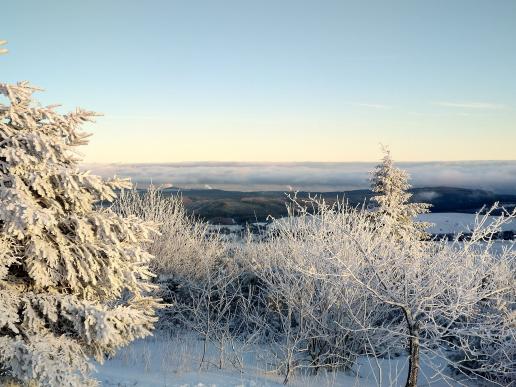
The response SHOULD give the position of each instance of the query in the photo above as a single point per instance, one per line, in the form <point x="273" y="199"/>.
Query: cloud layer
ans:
<point x="498" y="176"/>
<point x="472" y="105"/>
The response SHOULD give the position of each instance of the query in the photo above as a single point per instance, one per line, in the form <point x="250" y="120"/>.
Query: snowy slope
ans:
<point x="453" y="222"/>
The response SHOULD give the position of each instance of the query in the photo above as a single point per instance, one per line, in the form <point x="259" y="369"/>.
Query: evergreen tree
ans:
<point x="392" y="202"/>
<point x="74" y="282"/>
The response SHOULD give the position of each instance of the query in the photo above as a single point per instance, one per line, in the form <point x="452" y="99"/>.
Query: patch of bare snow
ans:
<point x="174" y="362"/>
<point x="454" y="222"/>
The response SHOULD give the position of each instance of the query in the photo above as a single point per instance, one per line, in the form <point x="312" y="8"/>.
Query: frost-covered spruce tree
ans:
<point x="74" y="281"/>
<point x="392" y="200"/>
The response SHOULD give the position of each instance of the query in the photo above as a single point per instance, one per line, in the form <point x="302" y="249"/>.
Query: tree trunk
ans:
<point x="414" y="357"/>
<point x="287" y="373"/>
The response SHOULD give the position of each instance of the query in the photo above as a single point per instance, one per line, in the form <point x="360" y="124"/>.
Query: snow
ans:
<point x="453" y="222"/>
<point x="174" y="361"/>
<point x="442" y="223"/>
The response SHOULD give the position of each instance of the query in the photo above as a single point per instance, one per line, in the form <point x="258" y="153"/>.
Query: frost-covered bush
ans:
<point x="441" y="289"/>
<point x="309" y="321"/>
<point x="452" y="300"/>
<point x="185" y="248"/>
<point x="217" y="309"/>
<point x="484" y="343"/>
<point x="187" y="254"/>
<point x="485" y="346"/>
<point x="330" y="283"/>
<point x="197" y="274"/>
<point x="74" y="280"/>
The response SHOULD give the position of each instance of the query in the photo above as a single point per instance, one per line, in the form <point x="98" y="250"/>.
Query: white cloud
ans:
<point x="472" y="105"/>
<point x="427" y="196"/>
<point x="498" y="176"/>
<point x="372" y="105"/>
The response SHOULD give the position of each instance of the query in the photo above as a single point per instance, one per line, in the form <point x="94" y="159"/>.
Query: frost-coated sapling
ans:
<point x="392" y="200"/>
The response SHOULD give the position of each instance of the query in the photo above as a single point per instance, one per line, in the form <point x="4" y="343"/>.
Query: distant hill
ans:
<point x="218" y="206"/>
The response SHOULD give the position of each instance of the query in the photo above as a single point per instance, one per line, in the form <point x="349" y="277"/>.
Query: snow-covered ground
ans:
<point x="175" y="361"/>
<point x="442" y="223"/>
<point x="454" y="222"/>
<point x="228" y="233"/>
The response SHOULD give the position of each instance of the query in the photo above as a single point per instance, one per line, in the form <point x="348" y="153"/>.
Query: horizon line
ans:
<point x="292" y="162"/>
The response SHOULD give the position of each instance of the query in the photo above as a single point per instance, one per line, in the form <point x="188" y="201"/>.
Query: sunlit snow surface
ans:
<point x="453" y="222"/>
<point x="164" y="361"/>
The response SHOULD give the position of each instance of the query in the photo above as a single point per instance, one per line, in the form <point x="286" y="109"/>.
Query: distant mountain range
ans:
<point x="230" y="207"/>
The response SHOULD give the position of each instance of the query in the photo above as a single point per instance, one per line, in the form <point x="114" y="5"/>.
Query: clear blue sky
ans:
<point x="274" y="80"/>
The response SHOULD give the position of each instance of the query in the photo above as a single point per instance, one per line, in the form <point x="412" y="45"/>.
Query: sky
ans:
<point x="274" y="81"/>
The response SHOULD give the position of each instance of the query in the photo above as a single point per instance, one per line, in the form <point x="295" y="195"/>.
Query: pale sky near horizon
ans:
<point x="274" y="80"/>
